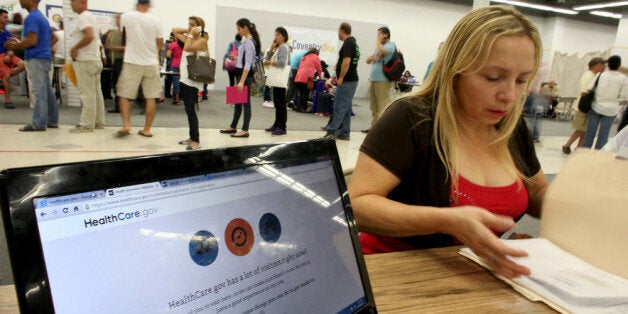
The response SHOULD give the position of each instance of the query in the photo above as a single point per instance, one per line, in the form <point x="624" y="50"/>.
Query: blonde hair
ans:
<point x="467" y="50"/>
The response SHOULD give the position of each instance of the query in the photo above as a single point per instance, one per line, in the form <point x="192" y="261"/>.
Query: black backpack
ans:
<point x="393" y="69"/>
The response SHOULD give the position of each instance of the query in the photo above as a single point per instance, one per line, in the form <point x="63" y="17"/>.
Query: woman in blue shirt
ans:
<point x="246" y="59"/>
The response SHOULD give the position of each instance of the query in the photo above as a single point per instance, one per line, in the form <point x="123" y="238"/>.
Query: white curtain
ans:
<point x="568" y="68"/>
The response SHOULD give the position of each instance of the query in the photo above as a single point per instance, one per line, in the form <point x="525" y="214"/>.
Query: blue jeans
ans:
<point x="176" y="88"/>
<point x="594" y="120"/>
<point x="342" y="110"/>
<point x="45" y="112"/>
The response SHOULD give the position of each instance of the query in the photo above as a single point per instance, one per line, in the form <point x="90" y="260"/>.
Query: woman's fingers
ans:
<point x="481" y="239"/>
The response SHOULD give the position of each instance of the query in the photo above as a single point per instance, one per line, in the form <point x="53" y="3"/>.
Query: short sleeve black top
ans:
<point x="401" y="141"/>
<point x="351" y="50"/>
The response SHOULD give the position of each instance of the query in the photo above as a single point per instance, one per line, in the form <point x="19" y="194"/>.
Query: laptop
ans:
<point x="255" y="229"/>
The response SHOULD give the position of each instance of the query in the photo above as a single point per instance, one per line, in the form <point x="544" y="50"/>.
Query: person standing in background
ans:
<point x="268" y="103"/>
<point x="85" y="53"/>
<point x="246" y="59"/>
<point x="596" y="65"/>
<point x="175" y="51"/>
<point x="347" y="74"/>
<point x="195" y="39"/>
<point x="59" y="48"/>
<point x="113" y="44"/>
<point x="611" y="88"/>
<point x="380" y="85"/>
<point x="164" y="55"/>
<point x="295" y="62"/>
<point x="280" y="60"/>
<point x="37" y="43"/>
<point x="309" y="68"/>
<point x="230" y="59"/>
<point x="143" y="41"/>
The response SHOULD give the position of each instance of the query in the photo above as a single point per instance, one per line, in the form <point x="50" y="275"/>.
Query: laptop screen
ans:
<point x="263" y="239"/>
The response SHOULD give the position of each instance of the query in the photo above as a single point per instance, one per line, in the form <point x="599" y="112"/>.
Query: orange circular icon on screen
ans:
<point x="239" y="237"/>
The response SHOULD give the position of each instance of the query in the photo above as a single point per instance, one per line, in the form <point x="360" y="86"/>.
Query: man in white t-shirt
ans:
<point x="85" y="53"/>
<point x="143" y="40"/>
<point x="612" y="87"/>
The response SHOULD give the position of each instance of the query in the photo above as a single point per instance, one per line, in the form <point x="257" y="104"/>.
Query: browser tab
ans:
<point x="133" y="189"/>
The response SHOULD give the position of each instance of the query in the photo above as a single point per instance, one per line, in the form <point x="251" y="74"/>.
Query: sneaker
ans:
<point x="268" y="104"/>
<point x="330" y="136"/>
<point x="80" y="129"/>
<point x="566" y="150"/>
<point x="343" y="137"/>
<point x="271" y="129"/>
<point x="99" y="126"/>
<point x="279" y="132"/>
<point x="9" y="105"/>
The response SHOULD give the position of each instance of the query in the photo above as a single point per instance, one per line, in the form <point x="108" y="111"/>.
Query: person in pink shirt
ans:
<point x="310" y="67"/>
<point x="175" y="51"/>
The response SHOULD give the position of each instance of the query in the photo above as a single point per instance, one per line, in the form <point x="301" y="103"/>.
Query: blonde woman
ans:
<point x="195" y="39"/>
<point x="453" y="163"/>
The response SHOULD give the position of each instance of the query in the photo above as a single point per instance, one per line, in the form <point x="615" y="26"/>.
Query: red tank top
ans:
<point x="511" y="200"/>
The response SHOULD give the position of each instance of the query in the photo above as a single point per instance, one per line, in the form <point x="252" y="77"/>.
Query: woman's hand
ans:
<point x="240" y="86"/>
<point x="474" y="227"/>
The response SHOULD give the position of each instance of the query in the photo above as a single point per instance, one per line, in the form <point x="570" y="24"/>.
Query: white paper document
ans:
<point x="563" y="281"/>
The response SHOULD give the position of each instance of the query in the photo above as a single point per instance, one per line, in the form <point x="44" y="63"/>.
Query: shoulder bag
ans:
<point x="201" y="69"/>
<point x="276" y="76"/>
<point x="586" y="101"/>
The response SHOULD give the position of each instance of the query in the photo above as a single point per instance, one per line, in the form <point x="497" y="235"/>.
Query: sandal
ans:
<point x="141" y="132"/>
<point x="31" y="128"/>
<point x="190" y="147"/>
<point x="228" y="131"/>
<point x="241" y="135"/>
<point x="123" y="133"/>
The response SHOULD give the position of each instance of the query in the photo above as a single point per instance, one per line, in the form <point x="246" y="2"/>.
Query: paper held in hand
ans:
<point x="563" y="281"/>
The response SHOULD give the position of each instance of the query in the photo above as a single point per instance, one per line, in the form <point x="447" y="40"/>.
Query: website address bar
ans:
<point x="127" y="200"/>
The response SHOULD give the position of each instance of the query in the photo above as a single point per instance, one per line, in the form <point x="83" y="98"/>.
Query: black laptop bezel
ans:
<point x="18" y="188"/>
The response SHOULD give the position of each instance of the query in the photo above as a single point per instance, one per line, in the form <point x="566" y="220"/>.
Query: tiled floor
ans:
<point x="19" y="149"/>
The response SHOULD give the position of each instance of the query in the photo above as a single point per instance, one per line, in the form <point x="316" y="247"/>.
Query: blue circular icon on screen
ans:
<point x="269" y="228"/>
<point x="203" y="248"/>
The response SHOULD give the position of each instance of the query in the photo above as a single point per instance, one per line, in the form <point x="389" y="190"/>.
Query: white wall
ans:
<point x="584" y="37"/>
<point x="416" y="26"/>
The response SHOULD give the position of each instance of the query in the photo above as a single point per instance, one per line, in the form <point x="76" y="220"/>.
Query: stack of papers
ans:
<point x="563" y="281"/>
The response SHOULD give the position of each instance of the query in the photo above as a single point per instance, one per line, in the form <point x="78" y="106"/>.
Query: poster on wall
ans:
<point x="10" y="5"/>
<point x="106" y="20"/>
<point x="325" y="41"/>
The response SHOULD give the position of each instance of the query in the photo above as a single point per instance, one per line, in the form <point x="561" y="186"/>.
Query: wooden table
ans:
<point x="427" y="281"/>
<point x="440" y="280"/>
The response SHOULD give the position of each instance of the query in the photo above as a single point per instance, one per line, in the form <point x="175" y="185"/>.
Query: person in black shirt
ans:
<point x="347" y="74"/>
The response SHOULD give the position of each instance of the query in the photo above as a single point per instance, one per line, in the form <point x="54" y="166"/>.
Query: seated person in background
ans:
<point x="325" y="100"/>
<point x="10" y="65"/>
<point x="406" y="82"/>
<point x="407" y="78"/>
<point x="549" y="91"/>
<point x="454" y="163"/>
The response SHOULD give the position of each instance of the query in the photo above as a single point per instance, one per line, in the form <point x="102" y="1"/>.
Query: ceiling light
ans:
<point x="606" y="14"/>
<point x="537" y="6"/>
<point x="601" y="5"/>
